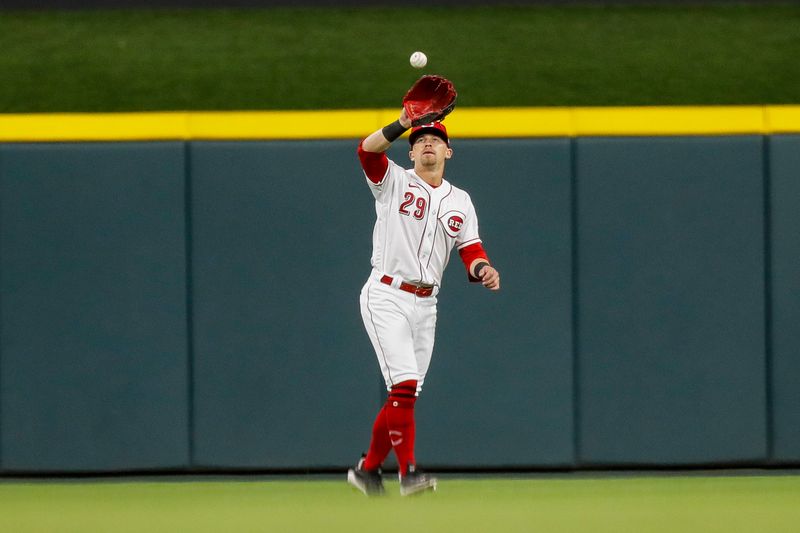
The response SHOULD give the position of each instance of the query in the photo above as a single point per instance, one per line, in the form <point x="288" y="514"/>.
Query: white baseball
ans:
<point x="418" y="60"/>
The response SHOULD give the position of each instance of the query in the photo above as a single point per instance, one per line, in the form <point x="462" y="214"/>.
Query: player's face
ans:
<point x="430" y="149"/>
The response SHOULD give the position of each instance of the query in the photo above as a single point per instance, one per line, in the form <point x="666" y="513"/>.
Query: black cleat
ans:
<point x="368" y="482"/>
<point x="415" y="481"/>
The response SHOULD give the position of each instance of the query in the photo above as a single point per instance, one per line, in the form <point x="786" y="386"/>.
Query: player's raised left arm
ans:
<point x="380" y="140"/>
<point x="372" y="150"/>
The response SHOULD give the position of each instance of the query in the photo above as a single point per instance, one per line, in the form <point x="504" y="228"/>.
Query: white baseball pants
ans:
<point x="401" y="327"/>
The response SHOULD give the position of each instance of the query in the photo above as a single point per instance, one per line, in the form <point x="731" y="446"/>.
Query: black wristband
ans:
<point x="393" y="131"/>
<point x="479" y="266"/>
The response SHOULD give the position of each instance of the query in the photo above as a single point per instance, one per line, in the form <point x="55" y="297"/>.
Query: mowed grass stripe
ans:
<point x="641" y="504"/>
<point x="356" y="58"/>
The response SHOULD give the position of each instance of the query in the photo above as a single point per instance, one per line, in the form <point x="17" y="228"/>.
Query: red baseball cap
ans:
<point x="436" y="128"/>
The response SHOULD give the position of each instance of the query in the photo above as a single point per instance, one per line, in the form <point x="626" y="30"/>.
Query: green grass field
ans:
<point x="550" y="504"/>
<point x="358" y="58"/>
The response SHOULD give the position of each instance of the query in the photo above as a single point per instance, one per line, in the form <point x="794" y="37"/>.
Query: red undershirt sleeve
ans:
<point x="374" y="164"/>
<point x="471" y="253"/>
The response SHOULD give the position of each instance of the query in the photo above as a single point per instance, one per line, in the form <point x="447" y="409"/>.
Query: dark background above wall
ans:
<point x="112" y="4"/>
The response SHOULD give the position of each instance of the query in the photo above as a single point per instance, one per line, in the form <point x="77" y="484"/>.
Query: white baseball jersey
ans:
<point x="418" y="225"/>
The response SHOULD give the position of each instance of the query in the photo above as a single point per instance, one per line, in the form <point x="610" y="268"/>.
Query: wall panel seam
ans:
<point x="768" y="366"/>
<point x="575" y="303"/>
<point x="189" y="287"/>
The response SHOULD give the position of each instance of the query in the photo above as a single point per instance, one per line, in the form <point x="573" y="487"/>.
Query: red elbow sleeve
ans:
<point x="469" y="254"/>
<point x="374" y="164"/>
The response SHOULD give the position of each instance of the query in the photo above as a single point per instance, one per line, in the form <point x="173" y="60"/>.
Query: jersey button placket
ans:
<point x="427" y="244"/>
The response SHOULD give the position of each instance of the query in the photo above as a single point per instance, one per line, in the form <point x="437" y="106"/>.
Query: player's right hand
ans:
<point x="490" y="278"/>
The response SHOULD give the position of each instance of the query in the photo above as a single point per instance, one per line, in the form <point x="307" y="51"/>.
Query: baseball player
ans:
<point x="421" y="217"/>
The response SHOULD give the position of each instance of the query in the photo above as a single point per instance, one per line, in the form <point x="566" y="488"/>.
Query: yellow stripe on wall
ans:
<point x="351" y="124"/>
<point x="783" y="119"/>
<point x="282" y="124"/>
<point x="670" y="121"/>
<point x="94" y="127"/>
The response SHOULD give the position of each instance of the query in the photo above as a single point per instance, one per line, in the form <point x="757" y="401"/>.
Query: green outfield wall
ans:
<point x="784" y="293"/>
<point x="194" y="305"/>
<point x="93" y="320"/>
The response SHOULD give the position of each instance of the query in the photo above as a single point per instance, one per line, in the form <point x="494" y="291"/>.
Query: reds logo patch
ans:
<point x="453" y="222"/>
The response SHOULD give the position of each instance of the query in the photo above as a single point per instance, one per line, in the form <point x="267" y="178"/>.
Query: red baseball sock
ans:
<point x="400" y="421"/>
<point x="380" y="445"/>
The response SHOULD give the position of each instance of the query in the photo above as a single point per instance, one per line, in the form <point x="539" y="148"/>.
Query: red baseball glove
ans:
<point x="431" y="98"/>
